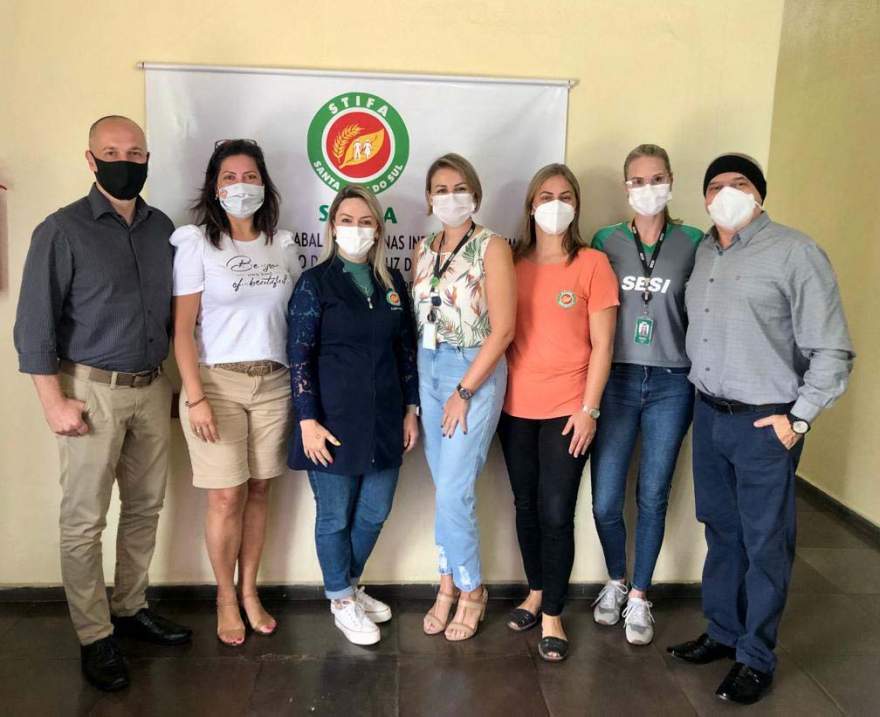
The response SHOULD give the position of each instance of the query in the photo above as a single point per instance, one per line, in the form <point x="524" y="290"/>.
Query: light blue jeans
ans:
<point x="456" y="462"/>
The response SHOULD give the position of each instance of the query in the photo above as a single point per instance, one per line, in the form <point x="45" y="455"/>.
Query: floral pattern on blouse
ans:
<point x="463" y="316"/>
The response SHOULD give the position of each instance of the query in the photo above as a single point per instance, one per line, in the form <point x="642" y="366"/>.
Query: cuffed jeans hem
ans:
<point x="466" y="585"/>
<point x="339" y="594"/>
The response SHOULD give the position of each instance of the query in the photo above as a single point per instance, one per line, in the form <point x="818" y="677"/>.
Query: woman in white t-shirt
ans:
<point x="234" y="272"/>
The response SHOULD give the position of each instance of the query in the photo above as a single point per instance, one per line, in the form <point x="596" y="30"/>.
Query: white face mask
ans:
<point x="732" y="209"/>
<point x="554" y="217"/>
<point x="453" y="209"/>
<point x="242" y="200"/>
<point x="356" y="242"/>
<point x="650" y="199"/>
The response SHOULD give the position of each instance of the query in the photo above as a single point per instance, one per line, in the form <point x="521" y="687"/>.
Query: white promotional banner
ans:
<point x="322" y="130"/>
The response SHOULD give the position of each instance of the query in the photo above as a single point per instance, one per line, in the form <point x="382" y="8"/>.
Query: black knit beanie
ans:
<point x="746" y="166"/>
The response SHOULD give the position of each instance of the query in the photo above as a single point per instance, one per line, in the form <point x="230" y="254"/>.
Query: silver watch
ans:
<point x="594" y="413"/>
<point x="798" y="425"/>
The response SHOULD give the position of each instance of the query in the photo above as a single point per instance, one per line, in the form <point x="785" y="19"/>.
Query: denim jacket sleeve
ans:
<point x="405" y="346"/>
<point x="303" y="335"/>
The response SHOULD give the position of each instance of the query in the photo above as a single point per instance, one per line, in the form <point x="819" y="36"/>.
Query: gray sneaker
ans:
<point x="606" y="607"/>
<point x="639" y="621"/>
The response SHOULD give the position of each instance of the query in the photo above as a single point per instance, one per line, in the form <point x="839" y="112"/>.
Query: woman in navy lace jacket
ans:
<point x="352" y="352"/>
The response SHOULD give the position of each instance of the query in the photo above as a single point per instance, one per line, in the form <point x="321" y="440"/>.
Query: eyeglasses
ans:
<point x="221" y="142"/>
<point x="645" y="181"/>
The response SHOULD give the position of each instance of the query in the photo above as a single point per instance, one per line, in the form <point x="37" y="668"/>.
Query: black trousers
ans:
<point x="545" y="480"/>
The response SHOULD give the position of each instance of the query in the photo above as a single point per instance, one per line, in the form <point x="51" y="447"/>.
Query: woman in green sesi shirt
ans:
<point x="648" y="392"/>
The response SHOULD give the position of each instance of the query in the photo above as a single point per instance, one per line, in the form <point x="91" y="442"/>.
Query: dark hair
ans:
<point x="207" y="207"/>
<point x="572" y="243"/>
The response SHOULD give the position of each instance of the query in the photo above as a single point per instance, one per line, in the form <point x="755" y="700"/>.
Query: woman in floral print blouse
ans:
<point x="465" y="298"/>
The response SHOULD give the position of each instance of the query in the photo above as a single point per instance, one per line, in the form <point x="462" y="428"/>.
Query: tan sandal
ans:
<point x="263" y="628"/>
<point x="468" y="631"/>
<point x="232" y="637"/>
<point x="432" y="625"/>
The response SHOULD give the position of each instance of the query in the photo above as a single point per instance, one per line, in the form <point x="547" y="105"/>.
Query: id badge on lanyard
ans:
<point x="643" y="333"/>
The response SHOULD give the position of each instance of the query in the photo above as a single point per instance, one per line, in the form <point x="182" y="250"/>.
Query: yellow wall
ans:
<point x="694" y="76"/>
<point x="823" y="178"/>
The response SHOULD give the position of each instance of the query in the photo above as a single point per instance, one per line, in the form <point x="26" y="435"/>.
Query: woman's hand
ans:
<point x="454" y="414"/>
<point x="314" y="438"/>
<point x="582" y="426"/>
<point x="201" y="419"/>
<point x="410" y="431"/>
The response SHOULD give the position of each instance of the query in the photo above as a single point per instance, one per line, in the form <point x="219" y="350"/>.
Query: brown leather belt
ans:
<point x="113" y="378"/>
<point x="251" y="368"/>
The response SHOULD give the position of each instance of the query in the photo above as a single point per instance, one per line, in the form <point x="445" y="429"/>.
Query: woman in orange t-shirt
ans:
<point x="558" y="362"/>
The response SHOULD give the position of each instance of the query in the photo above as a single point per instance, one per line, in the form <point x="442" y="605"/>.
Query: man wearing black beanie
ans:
<point x="769" y="350"/>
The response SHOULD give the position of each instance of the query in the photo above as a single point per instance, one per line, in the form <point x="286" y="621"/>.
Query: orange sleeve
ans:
<point x="601" y="283"/>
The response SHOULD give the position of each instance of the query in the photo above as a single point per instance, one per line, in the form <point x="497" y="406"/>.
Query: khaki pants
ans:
<point x="127" y="442"/>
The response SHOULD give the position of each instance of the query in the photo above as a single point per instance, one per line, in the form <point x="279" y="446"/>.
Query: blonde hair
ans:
<point x="572" y="242"/>
<point x="376" y="256"/>
<point x="456" y="162"/>
<point x="651" y="150"/>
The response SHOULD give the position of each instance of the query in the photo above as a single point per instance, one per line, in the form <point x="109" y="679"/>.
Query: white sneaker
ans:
<point x="639" y="621"/>
<point x="350" y="617"/>
<point x="376" y="610"/>
<point x="606" y="607"/>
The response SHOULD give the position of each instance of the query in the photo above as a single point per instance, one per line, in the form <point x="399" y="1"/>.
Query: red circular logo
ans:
<point x="358" y="144"/>
<point x="566" y="299"/>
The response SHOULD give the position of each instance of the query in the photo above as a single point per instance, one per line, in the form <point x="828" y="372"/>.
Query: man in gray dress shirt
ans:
<point x="92" y="330"/>
<point x="769" y="350"/>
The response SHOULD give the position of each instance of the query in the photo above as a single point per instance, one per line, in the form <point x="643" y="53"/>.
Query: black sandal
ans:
<point x="553" y="649"/>
<point x="520" y="620"/>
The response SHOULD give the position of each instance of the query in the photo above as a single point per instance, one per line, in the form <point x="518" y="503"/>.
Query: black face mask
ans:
<point x="122" y="179"/>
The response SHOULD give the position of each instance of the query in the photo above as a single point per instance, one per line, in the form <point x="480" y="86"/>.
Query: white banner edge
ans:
<point x="241" y="69"/>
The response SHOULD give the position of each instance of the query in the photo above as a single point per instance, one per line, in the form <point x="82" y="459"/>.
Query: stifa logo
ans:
<point x="358" y="138"/>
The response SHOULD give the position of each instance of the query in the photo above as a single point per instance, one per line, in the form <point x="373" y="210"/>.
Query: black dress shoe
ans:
<point x="104" y="665"/>
<point x="148" y="626"/>
<point x="701" y="651"/>
<point x="744" y="685"/>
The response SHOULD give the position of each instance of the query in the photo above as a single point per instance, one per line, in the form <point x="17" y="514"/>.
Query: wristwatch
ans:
<point x="594" y="413"/>
<point x="466" y="394"/>
<point x="798" y="425"/>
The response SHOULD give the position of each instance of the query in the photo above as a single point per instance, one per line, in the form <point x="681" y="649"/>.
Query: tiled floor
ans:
<point x="829" y="658"/>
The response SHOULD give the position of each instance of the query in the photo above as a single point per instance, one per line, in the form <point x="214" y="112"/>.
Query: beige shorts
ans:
<point x="253" y="416"/>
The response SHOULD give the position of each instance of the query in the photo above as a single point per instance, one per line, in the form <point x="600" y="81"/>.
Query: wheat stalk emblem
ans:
<point x="343" y="139"/>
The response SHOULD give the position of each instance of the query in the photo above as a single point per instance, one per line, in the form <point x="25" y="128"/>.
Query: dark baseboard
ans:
<point x="413" y="591"/>
<point x="821" y="500"/>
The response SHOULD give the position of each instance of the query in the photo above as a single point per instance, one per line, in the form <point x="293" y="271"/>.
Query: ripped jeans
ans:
<point x="456" y="462"/>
